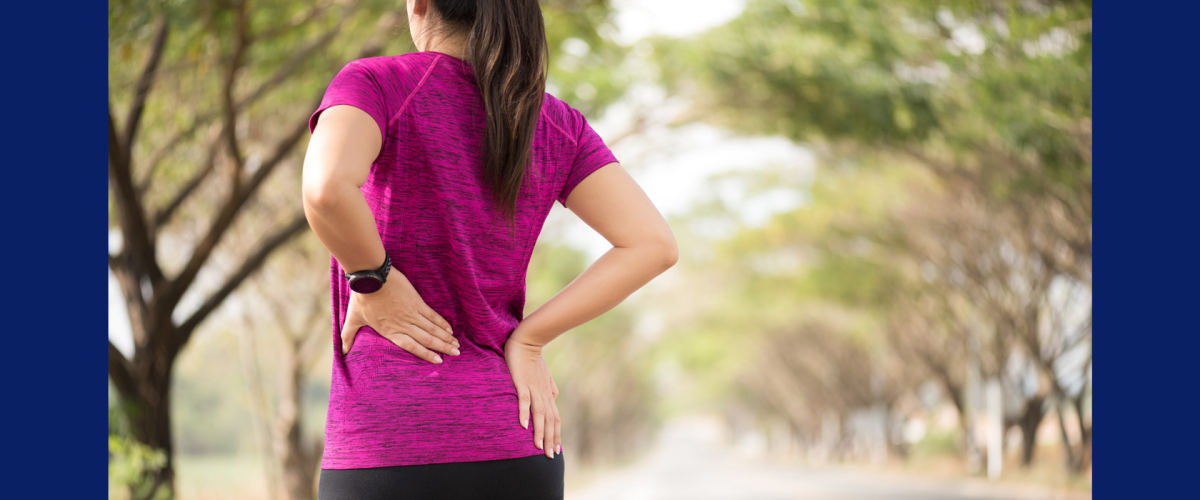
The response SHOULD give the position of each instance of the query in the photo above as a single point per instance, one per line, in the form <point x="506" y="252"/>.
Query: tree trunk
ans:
<point x="299" y="460"/>
<point x="156" y="432"/>
<point x="1031" y="418"/>
<point x="150" y="423"/>
<point x="292" y="463"/>
<point x="1066" y="438"/>
<point x="1085" y="435"/>
<point x="301" y="463"/>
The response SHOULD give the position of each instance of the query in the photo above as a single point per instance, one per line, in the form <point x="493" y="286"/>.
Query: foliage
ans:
<point x="130" y="463"/>
<point x="584" y="64"/>
<point x="207" y="99"/>
<point x="939" y="443"/>
<point x="961" y="79"/>
<point x="954" y="191"/>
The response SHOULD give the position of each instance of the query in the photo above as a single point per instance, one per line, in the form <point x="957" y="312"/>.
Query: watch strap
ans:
<point x="381" y="273"/>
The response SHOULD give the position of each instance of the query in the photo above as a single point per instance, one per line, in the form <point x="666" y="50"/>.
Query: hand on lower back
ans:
<point x="536" y="393"/>
<point x="400" y="315"/>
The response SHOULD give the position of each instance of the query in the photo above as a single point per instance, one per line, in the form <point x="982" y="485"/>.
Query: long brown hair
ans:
<point x="506" y="46"/>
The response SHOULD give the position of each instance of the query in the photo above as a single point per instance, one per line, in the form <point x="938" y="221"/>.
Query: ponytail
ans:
<point x="506" y="46"/>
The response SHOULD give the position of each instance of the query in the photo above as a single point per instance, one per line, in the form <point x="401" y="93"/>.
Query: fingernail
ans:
<point x="560" y="449"/>
<point x="437" y="359"/>
<point x="454" y="351"/>
<point x="523" y="425"/>
<point x="539" y="445"/>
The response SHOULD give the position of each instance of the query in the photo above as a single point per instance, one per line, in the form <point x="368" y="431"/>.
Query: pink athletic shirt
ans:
<point x="442" y="230"/>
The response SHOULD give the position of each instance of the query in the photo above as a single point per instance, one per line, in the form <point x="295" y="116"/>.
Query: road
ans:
<point x="689" y="462"/>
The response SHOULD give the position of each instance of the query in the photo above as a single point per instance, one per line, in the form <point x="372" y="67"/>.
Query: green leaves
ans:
<point x="585" y="65"/>
<point x="900" y="74"/>
<point x="953" y="183"/>
<point x="129" y="464"/>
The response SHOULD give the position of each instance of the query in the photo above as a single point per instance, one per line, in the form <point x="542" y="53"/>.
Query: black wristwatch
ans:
<point x="371" y="280"/>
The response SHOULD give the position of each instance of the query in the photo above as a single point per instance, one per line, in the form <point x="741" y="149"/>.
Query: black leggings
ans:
<point x="528" y="478"/>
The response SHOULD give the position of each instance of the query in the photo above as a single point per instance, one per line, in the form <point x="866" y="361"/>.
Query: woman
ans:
<point x="428" y="177"/>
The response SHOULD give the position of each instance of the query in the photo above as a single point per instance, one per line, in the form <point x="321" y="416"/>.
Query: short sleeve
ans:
<point x="357" y="86"/>
<point x="590" y="154"/>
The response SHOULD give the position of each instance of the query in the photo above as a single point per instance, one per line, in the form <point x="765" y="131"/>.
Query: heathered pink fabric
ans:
<point x="439" y="225"/>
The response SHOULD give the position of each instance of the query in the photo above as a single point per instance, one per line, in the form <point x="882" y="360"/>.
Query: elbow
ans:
<point x="668" y="251"/>
<point x="318" y="197"/>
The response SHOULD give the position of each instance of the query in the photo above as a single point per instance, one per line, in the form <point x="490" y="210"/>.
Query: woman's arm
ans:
<point x="344" y="144"/>
<point x="614" y="205"/>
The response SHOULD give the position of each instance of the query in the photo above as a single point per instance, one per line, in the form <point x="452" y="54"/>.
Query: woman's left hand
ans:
<point x="536" y="393"/>
<point x="398" y="313"/>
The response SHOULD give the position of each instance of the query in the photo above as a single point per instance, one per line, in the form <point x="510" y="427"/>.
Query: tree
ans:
<point x="156" y="202"/>
<point x="295" y="332"/>
<point x="209" y="100"/>
<point x="990" y="102"/>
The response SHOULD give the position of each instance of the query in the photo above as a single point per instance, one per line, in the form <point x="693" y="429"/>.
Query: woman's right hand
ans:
<point x="400" y="315"/>
<point x="536" y="393"/>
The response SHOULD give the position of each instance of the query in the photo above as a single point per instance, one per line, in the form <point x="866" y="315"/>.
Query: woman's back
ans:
<point x="438" y="221"/>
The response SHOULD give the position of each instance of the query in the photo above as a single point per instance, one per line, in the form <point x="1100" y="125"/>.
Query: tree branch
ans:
<point x="229" y="111"/>
<point x="275" y="31"/>
<point x="210" y="161"/>
<point x="144" y="84"/>
<point x="290" y="66"/>
<point x="278" y="77"/>
<point x="156" y="159"/>
<point x="120" y="370"/>
<point x="229" y="212"/>
<point x="251" y="264"/>
<point x="116" y="151"/>
<point x="136" y="236"/>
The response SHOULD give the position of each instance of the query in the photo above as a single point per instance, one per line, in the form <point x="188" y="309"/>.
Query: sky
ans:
<point x="671" y="165"/>
<point x="637" y="19"/>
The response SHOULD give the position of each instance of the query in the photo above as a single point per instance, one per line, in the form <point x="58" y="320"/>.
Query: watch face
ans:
<point x="365" y="284"/>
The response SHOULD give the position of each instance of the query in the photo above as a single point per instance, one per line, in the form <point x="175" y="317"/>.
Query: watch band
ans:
<point x="371" y="280"/>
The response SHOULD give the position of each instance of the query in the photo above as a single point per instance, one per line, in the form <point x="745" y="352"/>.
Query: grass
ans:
<point x="940" y="460"/>
<point x="220" y="477"/>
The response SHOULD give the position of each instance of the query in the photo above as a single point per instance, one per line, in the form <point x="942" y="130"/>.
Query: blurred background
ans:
<point x="883" y="211"/>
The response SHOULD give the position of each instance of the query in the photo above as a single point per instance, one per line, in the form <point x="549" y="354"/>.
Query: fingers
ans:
<point x="557" y="430"/>
<point x="437" y="326"/>
<point x="408" y="344"/>
<point x="539" y="428"/>
<point x="523" y="406"/>
<point x="551" y="424"/>
<point x="349" y="330"/>
<point x="432" y="336"/>
<point x="546" y="427"/>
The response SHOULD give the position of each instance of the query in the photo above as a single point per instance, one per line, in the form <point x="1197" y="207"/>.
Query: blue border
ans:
<point x="56" y="76"/>
<point x="1145" y="249"/>
<point x="1146" y="120"/>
